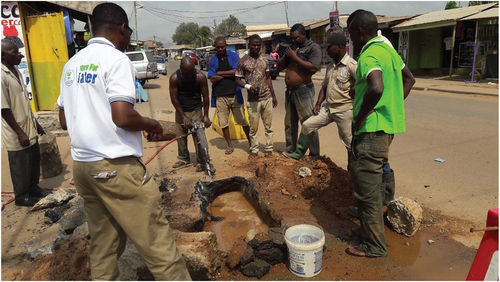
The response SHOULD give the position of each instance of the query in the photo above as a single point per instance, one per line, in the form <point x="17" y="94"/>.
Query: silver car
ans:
<point x="144" y="64"/>
<point x="161" y="64"/>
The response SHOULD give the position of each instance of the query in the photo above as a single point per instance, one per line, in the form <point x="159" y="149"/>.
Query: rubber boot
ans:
<point x="302" y="146"/>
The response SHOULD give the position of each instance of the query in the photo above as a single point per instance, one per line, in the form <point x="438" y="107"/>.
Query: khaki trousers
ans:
<point x="182" y="144"/>
<point x="126" y="204"/>
<point x="261" y="109"/>
<point x="324" y="118"/>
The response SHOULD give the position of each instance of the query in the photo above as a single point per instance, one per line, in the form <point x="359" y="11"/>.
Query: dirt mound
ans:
<point x="69" y="263"/>
<point x="280" y="186"/>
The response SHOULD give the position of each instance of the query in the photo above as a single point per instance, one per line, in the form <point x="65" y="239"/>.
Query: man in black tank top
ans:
<point x="187" y="87"/>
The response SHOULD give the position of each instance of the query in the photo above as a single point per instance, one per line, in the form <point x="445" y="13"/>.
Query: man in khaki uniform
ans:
<point x="19" y="130"/>
<point x="337" y="89"/>
<point x="121" y="198"/>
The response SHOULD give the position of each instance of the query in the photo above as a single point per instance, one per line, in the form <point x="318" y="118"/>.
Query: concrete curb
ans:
<point x="452" y="91"/>
<point x="421" y="88"/>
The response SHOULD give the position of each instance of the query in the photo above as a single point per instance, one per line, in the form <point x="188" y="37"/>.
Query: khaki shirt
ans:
<point x="339" y="80"/>
<point x="15" y="98"/>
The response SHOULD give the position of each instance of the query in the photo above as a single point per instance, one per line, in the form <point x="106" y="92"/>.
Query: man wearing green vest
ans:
<point x="382" y="83"/>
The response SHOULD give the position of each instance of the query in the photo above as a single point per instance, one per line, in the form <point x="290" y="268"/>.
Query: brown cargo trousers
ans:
<point x="126" y="203"/>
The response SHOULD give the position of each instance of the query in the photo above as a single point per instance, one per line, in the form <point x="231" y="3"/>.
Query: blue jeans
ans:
<point x="299" y="105"/>
<point x="369" y="155"/>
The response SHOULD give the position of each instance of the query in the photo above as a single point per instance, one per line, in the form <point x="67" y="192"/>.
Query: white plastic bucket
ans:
<point x="305" y="249"/>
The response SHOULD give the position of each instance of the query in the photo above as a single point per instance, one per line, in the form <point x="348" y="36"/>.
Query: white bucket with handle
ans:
<point x="305" y="248"/>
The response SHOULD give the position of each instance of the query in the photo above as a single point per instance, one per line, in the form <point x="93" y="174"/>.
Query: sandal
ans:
<point x="355" y="251"/>
<point x="252" y="155"/>
<point x="199" y="168"/>
<point x="268" y="154"/>
<point x="229" y="151"/>
<point x="179" y="164"/>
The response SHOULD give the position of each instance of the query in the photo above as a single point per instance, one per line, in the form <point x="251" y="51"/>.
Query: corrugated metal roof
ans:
<point x="440" y="18"/>
<point x="490" y="13"/>
<point x="252" y="29"/>
<point x="235" y="41"/>
<point x="85" y="7"/>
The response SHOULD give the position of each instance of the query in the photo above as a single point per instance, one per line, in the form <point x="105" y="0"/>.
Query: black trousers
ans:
<point x="25" y="170"/>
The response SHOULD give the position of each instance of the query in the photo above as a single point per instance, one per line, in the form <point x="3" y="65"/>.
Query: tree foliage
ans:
<point x="451" y="5"/>
<point x="190" y="33"/>
<point x="475" y="3"/>
<point x="230" y="27"/>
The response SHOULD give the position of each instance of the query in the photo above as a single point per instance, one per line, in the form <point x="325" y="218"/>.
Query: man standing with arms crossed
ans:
<point x="19" y="130"/>
<point x="382" y="83"/>
<point x="302" y="60"/>
<point x="254" y="68"/>
<point x="121" y="198"/>
<point x="187" y="87"/>
<point x="225" y="95"/>
<point x="337" y="89"/>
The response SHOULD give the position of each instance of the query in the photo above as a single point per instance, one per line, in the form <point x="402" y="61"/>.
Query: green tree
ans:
<point x="230" y="27"/>
<point x="192" y="34"/>
<point x="451" y="5"/>
<point x="185" y="33"/>
<point x="475" y="3"/>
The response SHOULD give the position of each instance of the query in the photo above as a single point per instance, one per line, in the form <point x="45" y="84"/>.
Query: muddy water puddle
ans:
<point x="238" y="218"/>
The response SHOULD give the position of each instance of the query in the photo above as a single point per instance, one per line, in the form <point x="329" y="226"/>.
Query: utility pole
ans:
<point x="336" y="5"/>
<point x="286" y="12"/>
<point x="136" y="31"/>
<point x="215" y="25"/>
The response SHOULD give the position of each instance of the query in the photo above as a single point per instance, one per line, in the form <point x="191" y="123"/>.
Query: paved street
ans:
<point x="461" y="129"/>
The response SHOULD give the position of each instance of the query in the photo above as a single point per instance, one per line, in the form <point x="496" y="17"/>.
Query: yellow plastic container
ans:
<point x="235" y="131"/>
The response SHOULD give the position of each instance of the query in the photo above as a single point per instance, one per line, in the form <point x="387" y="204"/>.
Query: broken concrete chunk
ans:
<point x="238" y="253"/>
<point x="132" y="266"/>
<point x="46" y="242"/>
<point x="276" y="234"/>
<point x="258" y="268"/>
<point x="73" y="217"/>
<point x="261" y="241"/>
<point x="50" y="159"/>
<point x="404" y="215"/>
<point x="199" y="250"/>
<point x="272" y="256"/>
<point x="81" y="231"/>
<point x="55" y="214"/>
<point x="54" y="199"/>
<point x="304" y="172"/>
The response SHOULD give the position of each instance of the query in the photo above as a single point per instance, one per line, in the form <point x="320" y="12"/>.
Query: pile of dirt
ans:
<point x="280" y="187"/>
<point x="70" y="262"/>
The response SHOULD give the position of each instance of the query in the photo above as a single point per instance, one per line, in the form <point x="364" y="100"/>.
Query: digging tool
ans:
<point x="493" y="228"/>
<point x="198" y="130"/>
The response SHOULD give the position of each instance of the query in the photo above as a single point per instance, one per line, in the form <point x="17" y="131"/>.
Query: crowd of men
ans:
<point x="365" y="98"/>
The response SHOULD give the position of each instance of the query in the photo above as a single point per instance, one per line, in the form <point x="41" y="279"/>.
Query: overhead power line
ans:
<point x="208" y="12"/>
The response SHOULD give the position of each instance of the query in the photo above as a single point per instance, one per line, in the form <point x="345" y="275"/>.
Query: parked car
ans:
<point x="145" y="65"/>
<point x="205" y="58"/>
<point x="273" y="67"/>
<point x="162" y="64"/>
<point x="193" y="56"/>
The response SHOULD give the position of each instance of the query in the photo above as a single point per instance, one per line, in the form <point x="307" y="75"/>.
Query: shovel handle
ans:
<point x="493" y="228"/>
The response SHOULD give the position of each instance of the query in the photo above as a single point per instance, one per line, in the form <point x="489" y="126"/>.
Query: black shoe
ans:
<point x="38" y="192"/>
<point x="27" y="201"/>
<point x="352" y="210"/>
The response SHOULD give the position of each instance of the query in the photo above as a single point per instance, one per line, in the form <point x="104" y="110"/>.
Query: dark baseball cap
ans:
<point x="335" y="39"/>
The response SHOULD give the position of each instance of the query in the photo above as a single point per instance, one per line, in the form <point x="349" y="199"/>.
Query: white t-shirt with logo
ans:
<point x="91" y="80"/>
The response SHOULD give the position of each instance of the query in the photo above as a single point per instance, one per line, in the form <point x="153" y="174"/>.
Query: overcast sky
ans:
<point x="157" y="19"/>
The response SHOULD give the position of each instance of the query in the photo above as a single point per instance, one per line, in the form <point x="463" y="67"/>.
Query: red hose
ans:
<point x="55" y="189"/>
<point x="162" y="147"/>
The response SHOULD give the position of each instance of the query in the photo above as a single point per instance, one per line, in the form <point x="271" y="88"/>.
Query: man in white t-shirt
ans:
<point x="120" y="197"/>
